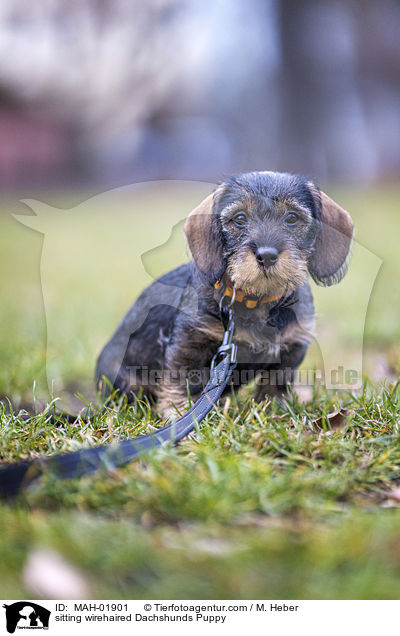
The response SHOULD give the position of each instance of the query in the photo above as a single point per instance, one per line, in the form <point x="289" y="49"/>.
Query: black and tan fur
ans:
<point x="234" y="234"/>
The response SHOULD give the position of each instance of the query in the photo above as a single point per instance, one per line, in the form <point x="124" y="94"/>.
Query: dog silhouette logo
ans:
<point x="26" y="615"/>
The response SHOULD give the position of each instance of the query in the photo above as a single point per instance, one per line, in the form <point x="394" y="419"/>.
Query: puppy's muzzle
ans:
<point x="266" y="256"/>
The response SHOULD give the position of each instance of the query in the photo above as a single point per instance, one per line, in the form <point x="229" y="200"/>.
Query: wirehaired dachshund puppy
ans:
<point x="255" y="239"/>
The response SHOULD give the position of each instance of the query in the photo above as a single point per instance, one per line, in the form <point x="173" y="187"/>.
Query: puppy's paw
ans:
<point x="268" y="393"/>
<point x="171" y="408"/>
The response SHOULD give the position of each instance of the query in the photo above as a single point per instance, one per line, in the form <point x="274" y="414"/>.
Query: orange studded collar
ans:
<point x="239" y="296"/>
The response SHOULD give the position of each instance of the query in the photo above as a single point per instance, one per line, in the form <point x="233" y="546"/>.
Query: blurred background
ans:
<point x="116" y="118"/>
<point x="98" y="96"/>
<point x="106" y="93"/>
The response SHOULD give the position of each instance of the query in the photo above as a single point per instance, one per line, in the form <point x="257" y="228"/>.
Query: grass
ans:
<point x="277" y="502"/>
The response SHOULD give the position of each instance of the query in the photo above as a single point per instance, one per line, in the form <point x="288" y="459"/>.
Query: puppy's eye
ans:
<point x="292" y="218"/>
<point x="239" y="220"/>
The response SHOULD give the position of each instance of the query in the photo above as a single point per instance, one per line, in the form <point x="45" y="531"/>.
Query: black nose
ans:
<point x="266" y="256"/>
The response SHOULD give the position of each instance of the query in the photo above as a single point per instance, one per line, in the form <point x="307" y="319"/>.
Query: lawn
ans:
<point x="277" y="502"/>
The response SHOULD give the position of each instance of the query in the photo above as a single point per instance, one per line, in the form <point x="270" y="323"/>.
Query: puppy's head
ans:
<point x="268" y="231"/>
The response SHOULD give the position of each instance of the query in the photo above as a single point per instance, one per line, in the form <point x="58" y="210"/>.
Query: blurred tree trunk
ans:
<point x="322" y="115"/>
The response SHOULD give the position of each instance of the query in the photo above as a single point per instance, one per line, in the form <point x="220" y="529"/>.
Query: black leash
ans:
<point x="16" y="476"/>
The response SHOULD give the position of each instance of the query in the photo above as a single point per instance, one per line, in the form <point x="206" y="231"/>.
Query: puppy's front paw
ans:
<point x="267" y="392"/>
<point x="171" y="407"/>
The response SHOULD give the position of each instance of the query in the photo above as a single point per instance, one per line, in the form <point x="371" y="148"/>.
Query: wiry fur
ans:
<point x="172" y="350"/>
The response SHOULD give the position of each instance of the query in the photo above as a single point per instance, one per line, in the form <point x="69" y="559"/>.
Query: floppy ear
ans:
<point x="329" y="261"/>
<point x="203" y="238"/>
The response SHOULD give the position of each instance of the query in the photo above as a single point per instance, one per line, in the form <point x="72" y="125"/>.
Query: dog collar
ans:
<point x="239" y="296"/>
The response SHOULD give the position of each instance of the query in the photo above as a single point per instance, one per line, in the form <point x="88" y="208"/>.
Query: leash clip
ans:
<point x="222" y="351"/>
<point x="227" y="346"/>
<point x="225" y="309"/>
